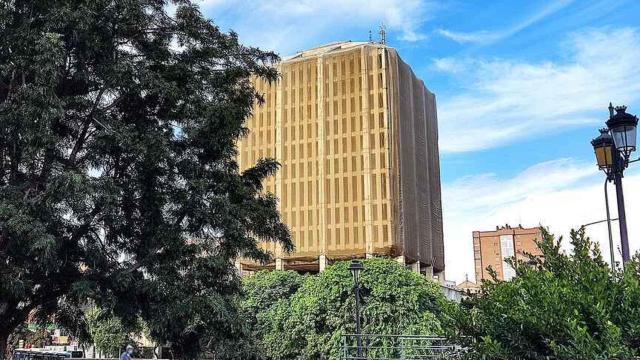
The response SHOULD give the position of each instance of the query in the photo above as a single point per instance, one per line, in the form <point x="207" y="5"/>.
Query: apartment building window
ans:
<point x="506" y="247"/>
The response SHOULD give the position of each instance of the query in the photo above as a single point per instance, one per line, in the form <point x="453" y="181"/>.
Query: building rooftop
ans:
<point x="327" y="48"/>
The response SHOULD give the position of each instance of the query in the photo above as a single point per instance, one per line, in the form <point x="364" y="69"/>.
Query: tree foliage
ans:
<point x="309" y="323"/>
<point x="118" y="179"/>
<point x="561" y="306"/>
<point x="107" y="332"/>
<point x="262" y="291"/>
<point x="31" y="336"/>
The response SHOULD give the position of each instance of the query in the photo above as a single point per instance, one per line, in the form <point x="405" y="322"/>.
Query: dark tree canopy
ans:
<point x="118" y="179"/>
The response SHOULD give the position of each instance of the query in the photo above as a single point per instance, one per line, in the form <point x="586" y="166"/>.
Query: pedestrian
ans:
<point x="126" y="355"/>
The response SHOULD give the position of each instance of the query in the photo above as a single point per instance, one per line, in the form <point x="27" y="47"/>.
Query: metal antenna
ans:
<point x="370" y="39"/>
<point x="382" y="34"/>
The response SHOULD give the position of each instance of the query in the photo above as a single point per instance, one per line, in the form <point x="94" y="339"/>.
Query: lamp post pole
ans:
<point x="358" y="330"/>
<point x="622" y="216"/>
<point x="355" y="267"/>
<point x="606" y="204"/>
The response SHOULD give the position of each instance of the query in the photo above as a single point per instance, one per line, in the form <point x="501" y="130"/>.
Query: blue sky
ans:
<point x="522" y="86"/>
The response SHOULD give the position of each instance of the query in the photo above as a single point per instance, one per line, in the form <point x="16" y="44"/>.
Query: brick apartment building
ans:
<point x="492" y="248"/>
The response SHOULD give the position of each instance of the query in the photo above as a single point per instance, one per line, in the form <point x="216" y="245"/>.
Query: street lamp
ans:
<point x="603" y="147"/>
<point x="355" y="267"/>
<point x="612" y="149"/>
<point x="623" y="127"/>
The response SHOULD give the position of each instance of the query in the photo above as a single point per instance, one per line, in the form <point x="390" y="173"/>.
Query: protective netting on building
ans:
<point x="417" y="162"/>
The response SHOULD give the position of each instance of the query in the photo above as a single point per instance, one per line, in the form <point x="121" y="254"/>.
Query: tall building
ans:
<point x="356" y="134"/>
<point x="493" y="248"/>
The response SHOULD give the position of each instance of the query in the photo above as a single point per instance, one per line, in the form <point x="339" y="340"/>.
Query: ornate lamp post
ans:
<point x="613" y="148"/>
<point x="355" y="267"/>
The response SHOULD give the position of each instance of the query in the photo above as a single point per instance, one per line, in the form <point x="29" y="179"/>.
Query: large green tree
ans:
<point x="561" y="306"/>
<point x="118" y="179"/>
<point x="309" y="324"/>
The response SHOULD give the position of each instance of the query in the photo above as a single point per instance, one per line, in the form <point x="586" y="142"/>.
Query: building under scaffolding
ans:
<point x="356" y="134"/>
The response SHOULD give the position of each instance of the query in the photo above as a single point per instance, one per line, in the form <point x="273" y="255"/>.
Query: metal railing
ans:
<point x="398" y="347"/>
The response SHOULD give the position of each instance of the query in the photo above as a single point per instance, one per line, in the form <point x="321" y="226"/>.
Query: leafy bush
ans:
<point x="107" y="332"/>
<point x="563" y="307"/>
<point x="262" y="291"/>
<point x="309" y="323"/>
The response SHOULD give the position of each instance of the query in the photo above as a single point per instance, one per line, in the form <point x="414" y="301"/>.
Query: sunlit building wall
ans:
<point x="356" y="134"/>
<point x="492" y="250"/>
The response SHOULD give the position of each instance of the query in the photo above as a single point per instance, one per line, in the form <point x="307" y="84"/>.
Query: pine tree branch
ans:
<point x="4" y="239"/>
<point x="86" y="226"/>
<point x="85" y="127"/>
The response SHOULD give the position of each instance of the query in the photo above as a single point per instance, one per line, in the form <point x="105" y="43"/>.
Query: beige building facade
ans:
<point x="468" y="286"/>
<point x="492" y="248"/>
<point x="356" y="134"/>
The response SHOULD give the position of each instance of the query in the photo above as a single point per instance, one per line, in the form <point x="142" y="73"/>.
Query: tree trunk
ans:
<point x="3" y="346"/>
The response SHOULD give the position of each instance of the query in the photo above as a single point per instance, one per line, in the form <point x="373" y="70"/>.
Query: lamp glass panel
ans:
<point x="631" y="137"/>
<point x="624" y="138"/>
<point x="604" y="157"/>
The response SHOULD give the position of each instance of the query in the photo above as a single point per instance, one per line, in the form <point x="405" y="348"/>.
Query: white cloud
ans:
<point x="560" y="194"/>
<point x="481" y="36"/>
<point x="289" y="25"/>
<point x="450" y="65"/>
<point x="480" y="192"/>
<point x="486" y="36"/>
<point x="505" y="101"/>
